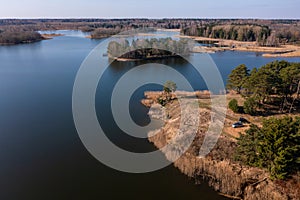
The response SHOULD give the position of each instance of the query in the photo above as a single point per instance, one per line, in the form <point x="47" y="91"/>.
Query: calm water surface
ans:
<point x="41" y="154"/>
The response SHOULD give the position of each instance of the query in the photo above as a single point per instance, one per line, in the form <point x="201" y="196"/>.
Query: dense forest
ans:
<point x="274" y="87"/>
<point x="264" y="34"/>
<point x="148" y="49"/>
<point x="247" y="33"/>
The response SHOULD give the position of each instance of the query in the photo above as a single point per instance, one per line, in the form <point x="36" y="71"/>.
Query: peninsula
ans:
<point x="260" y="160"/>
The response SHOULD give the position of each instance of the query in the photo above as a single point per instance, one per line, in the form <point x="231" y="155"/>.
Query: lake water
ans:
<point x="41" y="154"/>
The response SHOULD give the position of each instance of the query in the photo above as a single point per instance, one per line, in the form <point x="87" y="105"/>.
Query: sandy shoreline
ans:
<point x="168" y="30"/>
<point x="51" y="36"/>
<point x="282" y="51"/>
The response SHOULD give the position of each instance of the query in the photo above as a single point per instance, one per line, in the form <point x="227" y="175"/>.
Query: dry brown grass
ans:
<point x="281" y="51"/>
<point x="218" y="168"/>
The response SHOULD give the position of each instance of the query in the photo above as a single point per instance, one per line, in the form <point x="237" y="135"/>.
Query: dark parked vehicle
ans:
<point x="243" y="120"/>
<point x="237" y="125"/>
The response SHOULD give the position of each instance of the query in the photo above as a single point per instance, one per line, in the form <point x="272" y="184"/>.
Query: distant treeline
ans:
<point x="247" y="33"/>
<point x="287" y="34"/>
<point x="107" y="32"/>
<point x="147" y="49"/>
<point x="262" y="34"/>
<point x="104" y="32"/>
<point x="268" y="32"/>
<point x="13" y="37"/>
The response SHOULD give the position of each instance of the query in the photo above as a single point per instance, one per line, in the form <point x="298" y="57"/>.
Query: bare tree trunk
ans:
<point x="283" y="104"/>
<point x="298" y="89"/>
<point x="296" y="97"/>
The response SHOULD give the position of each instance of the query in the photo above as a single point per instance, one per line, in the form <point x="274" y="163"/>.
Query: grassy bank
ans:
<point x="222" y="45"/>
<point x="219" y="168"/>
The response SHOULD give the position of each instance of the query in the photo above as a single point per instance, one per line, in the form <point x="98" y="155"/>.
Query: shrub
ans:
<point x="162" y="101"/>
<point x="170" y="86"/>
<point x="233" y="105"/>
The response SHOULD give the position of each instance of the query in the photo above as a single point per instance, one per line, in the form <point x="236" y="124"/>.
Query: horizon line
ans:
<point x="153" y="18"/>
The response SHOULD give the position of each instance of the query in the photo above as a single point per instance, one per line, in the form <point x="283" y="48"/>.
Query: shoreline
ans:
<point x="140" y="59"/>
<point x="227" y="177"/>
<point x="233" y="45"/>
<point x="285" y="51"/>
<point x="24" y="42"/>
<point x="133" y="34"/>
<point x="168" y="30"/>
<point x="51" y="36"/>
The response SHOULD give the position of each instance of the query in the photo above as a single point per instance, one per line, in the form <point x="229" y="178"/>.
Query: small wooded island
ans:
<point x="8" y="37"/>
<point x="141" y="49"/>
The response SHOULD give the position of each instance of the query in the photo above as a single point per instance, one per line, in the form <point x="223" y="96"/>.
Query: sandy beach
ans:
<point x="281" y="51"/>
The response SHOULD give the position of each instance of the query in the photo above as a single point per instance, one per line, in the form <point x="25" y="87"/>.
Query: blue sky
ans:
<point x="150" y="9"/>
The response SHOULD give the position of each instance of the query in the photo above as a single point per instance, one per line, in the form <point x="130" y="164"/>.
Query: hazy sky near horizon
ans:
<point x="150" y="9"/>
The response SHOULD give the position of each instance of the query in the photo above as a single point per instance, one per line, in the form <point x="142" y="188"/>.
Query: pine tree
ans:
<point x="237" y="78"/>
<point x="248" y="146"/>
<point x="275" y="146"/>
<point x="250" y="106"/>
